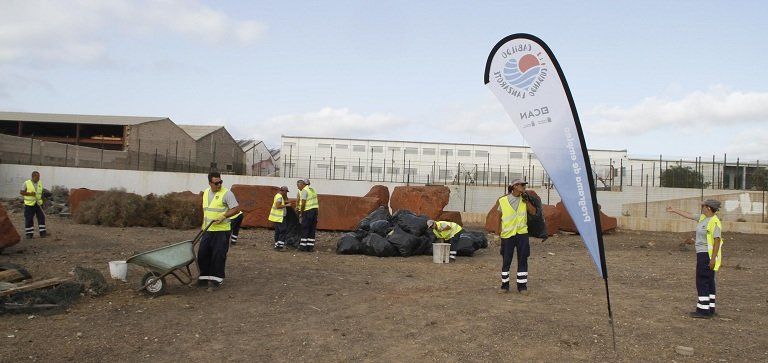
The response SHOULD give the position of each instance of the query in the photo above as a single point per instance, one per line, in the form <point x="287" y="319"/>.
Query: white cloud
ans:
<point x="485" y="123"/>
<point x="329" y="122"/>
<point x="77" y="31"/>
<point x="717" y="106"/>
<point x="749" y="144"/>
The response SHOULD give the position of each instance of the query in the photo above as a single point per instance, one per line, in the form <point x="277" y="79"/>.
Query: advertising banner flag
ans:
<point x="528" y="81"/>
<point x="523" y="74"/>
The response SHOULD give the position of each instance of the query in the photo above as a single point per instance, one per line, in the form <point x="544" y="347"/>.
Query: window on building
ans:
<point x="464" y="152"/>
<point x="376" y="169"/>
<point x="342" y="146"/>
<point x="358" y="169"/>
<point x="229" y="167"/>
<point x="411" y="171"/>
<point x="446" y="152"/>
<point x="481" y="153"/>
<point x="322" y="166"/>
<point x="393" y="171"/>
<point x="532" y="156"/>
<point x="393" y="148"/>
<point x="445" y="174"/>
<point x="358" y="148"/>
<point x="515" y="155"/>
<point x="428" y="151"/>
<point x="411" y="151"/>
<point x="377" y="149"/>
<point x="323" y="146"/>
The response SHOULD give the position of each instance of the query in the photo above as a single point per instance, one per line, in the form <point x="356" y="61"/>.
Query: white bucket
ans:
<point x="441" y="252"/>
<point x="118" y="270"/>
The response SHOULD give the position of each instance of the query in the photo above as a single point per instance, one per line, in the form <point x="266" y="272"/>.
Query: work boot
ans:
<point x="29" y="236"/>
<point x="504" y="288"/>
<point x="43" y="235"/>
<point x="201" y="283"/>
<point x="215" y="285"/>
<point x="523" y="291"/>
<point x="698" y="315"/>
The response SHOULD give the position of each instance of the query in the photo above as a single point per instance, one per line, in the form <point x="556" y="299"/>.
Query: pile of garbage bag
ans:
<point x="401" y="234"/>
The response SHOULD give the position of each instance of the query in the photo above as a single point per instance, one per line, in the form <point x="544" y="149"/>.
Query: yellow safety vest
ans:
<point x="277" y="214"/>
<point x="513" y="222"/>
<point x="713" y="222"/>
<point x="31" y="200"/>
<point x="214" y="210"/>
<point x="448" y="233"/>
<point x="311" y="202"/>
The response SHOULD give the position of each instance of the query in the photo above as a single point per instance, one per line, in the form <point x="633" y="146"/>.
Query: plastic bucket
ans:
<point x="118" y="270"/>
<point x="441" y="252"/>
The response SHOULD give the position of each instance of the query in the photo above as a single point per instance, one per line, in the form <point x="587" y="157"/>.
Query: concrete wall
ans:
<point x="479" y="200"/>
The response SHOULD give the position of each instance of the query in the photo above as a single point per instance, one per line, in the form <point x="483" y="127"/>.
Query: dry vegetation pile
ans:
<point x="118" y="208"/>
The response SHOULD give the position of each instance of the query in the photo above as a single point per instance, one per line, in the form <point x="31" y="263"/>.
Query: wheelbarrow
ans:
<point x="171" y="260"/>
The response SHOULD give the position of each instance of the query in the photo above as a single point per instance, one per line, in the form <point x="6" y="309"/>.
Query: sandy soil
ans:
<point x="324" y="307"/>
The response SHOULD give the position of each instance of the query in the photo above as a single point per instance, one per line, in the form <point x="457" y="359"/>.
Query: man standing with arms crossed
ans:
<point x="33" y="201"/>
<point x="515" y="207"/>
<point x="307" y="209"/>
<point x="219" y="204"/>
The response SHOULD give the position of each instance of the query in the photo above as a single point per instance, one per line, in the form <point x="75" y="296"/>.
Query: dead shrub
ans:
<point x="118" y="208"/>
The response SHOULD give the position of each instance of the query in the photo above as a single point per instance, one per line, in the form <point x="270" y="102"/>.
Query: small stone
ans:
<point x="687" y="351"/>
<point x="550" y="253"/>
<point x="79" y="335"/>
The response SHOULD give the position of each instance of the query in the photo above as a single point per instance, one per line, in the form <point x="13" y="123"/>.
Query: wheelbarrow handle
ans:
<point x="199" y="234"/>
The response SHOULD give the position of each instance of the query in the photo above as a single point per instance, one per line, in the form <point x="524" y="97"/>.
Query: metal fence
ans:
<point x="37" y="152"/>
<point x="608" y="174"/>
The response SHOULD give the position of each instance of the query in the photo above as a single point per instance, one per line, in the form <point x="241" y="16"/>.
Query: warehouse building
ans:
<point x="421" y="162"/>
<point x="96" y="141"/>
<point x="259" y="159"/>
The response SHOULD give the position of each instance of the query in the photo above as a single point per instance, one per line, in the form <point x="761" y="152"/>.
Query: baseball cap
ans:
<point x="714" y="204"/>
<point x="518" y="181"/>
<point x="430" y="223"/>
<point x="284" y="188"/>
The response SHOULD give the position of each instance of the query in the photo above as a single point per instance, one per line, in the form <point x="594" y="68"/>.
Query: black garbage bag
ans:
<point x="382" y="227"/>
<point x="465" y="246"/>
<point x="406" y="243"/>
<point x="349" y="244"/>
<point x="479" y="239"/>
<point x="360" y="234"/>
<point x="425" y="245"/>
<point x="410" y="222"/>
<point x="293" y="232"/>
<point x="537" y="226"/>
<point x="376" y="245"/>
<point x="381" y="213"/>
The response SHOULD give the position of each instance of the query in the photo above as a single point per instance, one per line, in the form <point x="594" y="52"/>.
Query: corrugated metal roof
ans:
<point x="197" y="132"/>
<point x="77" y="119"/>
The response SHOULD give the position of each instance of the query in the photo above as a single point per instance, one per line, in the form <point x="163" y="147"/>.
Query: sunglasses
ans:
<point x="218" y="182"/>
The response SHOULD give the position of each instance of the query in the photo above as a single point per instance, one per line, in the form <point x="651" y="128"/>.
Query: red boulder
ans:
<point x="427" y="200"/>
<point x="343" y="213"/>
<point x="8" y="234"/>
<point x="451" y="216"/>
<point x="607" y="223"/>
<point x="256" y="202"/>
<point x="381" y="192"/>
<point x="80" y="195"/>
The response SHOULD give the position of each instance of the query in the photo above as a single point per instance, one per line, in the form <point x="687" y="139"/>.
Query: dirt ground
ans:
<point x="290" y="306"/>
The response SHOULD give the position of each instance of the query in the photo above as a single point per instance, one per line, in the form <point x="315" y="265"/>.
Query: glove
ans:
<point x="524" y="196"/>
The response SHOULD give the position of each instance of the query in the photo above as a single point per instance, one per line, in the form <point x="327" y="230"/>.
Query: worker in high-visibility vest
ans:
<point x="307" y="209"/>
<point x="709" y="254"/>
<point x="219" y="204"/>
<point x="515" y="207"/>
<point x="447" y="232"/>
<point x="277" y="214"/>
<point x="32" y="191"/>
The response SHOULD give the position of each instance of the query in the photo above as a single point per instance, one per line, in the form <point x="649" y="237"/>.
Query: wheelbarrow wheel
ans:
<point x="157" y="288"/>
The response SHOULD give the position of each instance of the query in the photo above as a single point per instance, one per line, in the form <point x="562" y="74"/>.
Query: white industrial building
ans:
<point x="422" y="162"/>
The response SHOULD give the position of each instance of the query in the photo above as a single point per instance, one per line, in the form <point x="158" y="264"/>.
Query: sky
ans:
<point x="676" y="78"/>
